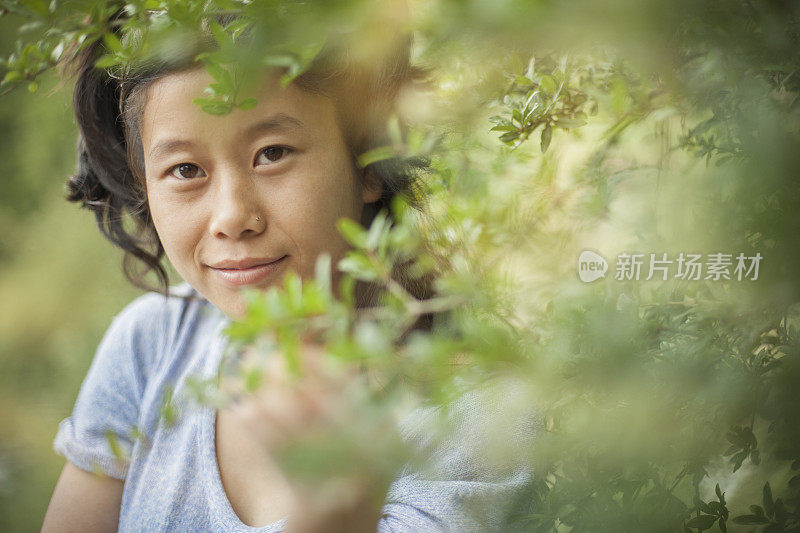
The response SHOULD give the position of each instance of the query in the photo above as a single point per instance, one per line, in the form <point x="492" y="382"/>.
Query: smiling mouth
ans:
<point x="249" y="275"/>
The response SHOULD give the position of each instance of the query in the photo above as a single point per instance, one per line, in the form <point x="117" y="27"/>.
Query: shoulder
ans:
<point x="107" y="416"/>
<point x="147" y="328"/>
<point x="154" y="307"/>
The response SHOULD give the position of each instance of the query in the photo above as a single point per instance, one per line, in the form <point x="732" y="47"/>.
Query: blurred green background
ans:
<point x="61" y="283"/>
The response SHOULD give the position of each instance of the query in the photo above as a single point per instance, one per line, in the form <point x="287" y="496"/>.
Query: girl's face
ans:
<point x="239" y="200"/>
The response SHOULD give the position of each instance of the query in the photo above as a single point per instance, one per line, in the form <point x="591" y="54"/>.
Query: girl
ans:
<point x="234" y="201"/>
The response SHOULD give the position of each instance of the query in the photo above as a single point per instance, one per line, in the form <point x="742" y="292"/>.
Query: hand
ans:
<point x="286" y="408"/>
<point x="334" y="448"/>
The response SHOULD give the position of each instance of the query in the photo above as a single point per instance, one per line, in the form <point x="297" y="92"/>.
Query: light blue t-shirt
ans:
<point x="172" y="480"/>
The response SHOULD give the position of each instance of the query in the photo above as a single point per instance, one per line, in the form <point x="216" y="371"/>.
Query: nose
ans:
<point x="236" y="212"/>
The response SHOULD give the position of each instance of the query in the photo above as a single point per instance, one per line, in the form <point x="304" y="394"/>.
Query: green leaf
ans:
<point x="247" y="103"/>
<point x="107" y="60"/>
<point x="548" y="84"/>
<point x="353" y="232"/>
<point x="375" y="231"/>
<point x="505" y="127"/>
<point x="222" y="37"/>
<point x="509" y="136"/>
<point x="219" y="73"/>
<point x="547" y="134"/>
<point x="375" y="155"/>
<point x="113" y="43"/>
<point x="12" y="76"/>
<point x="357" y="264"/>
<point x="750" y="520"/>
<point x="322" y="272"/>
<point x="568" y="123"/>
<point x="769" y="503"/>
<point x="738" y="459"/>
<point x="703" y="506"/>
<point x="214" y="107"/>
<point x="113" y="443"/>
<point x="702" y="522"/>
<point x="168" y="410"/>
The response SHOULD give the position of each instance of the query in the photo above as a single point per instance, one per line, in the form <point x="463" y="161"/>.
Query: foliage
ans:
<point x="667" y="404"/>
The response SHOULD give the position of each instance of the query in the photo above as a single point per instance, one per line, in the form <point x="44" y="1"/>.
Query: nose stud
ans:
<point x="258" y="219"/>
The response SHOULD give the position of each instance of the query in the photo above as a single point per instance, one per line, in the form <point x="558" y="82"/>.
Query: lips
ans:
<point x="248" y="262"/>
<point x="249" y="271"/>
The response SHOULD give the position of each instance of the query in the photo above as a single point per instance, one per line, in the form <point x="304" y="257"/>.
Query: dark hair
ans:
<point x="109" y="177"/>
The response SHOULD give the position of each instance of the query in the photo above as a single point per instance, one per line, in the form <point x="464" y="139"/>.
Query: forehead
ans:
<point x="169" y="110"/>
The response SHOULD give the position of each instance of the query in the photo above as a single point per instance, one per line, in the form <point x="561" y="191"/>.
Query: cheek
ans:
<point x="174" y="226"/>
<point x="310" y="217"/>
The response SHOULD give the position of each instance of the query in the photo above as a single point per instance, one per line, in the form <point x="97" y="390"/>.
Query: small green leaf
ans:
<point x="375" y="155"/>
<point x="113" y="43"/>
<point x="505" y="127"/>
<point x="353" y="232"/>
<point x="375" y="231"/>
<point x="509" y="136"/>
<point x="769" y="503"/>
<point x="219" y="73"/>
<point x="113" y="443"/>
<point x="168" y="411"/>
<point x="703" y="506"/>
<point x="359" y="266"/>
<point x="12" y="76"/>
<point x="220" y="35"/>
<point x="547" y="135"/>
<point x="548" y="84"/>
<point x="322" y="272"/>
<point x="107" y="60"/>
<point x="214" y="107"/>
<point x="568" y="123"/>
<point x="247" y="103"/>
<point x="750" y="520"/>
<point x="702" y="522"/>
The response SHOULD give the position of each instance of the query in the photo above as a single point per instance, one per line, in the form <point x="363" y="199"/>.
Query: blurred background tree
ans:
<point x="621" y="127"/>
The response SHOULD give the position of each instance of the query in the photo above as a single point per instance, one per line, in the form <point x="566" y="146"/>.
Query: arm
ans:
<point x="107" y="406"/>
<point x="83" y="501"/>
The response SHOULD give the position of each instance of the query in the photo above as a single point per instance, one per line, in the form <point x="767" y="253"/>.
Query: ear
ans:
<point x="372" y="188"/>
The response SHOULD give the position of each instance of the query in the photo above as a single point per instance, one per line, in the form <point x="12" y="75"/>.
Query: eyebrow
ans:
<point x="278" y="121"/>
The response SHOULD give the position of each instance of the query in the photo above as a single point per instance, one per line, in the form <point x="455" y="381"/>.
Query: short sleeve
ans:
<point x="472" y="477"/>
<point x="99" y="434"/>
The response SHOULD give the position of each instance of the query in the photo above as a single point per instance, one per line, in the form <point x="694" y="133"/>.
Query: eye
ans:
<point x="186" y="171"/>
<point x="271" y="154"/>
